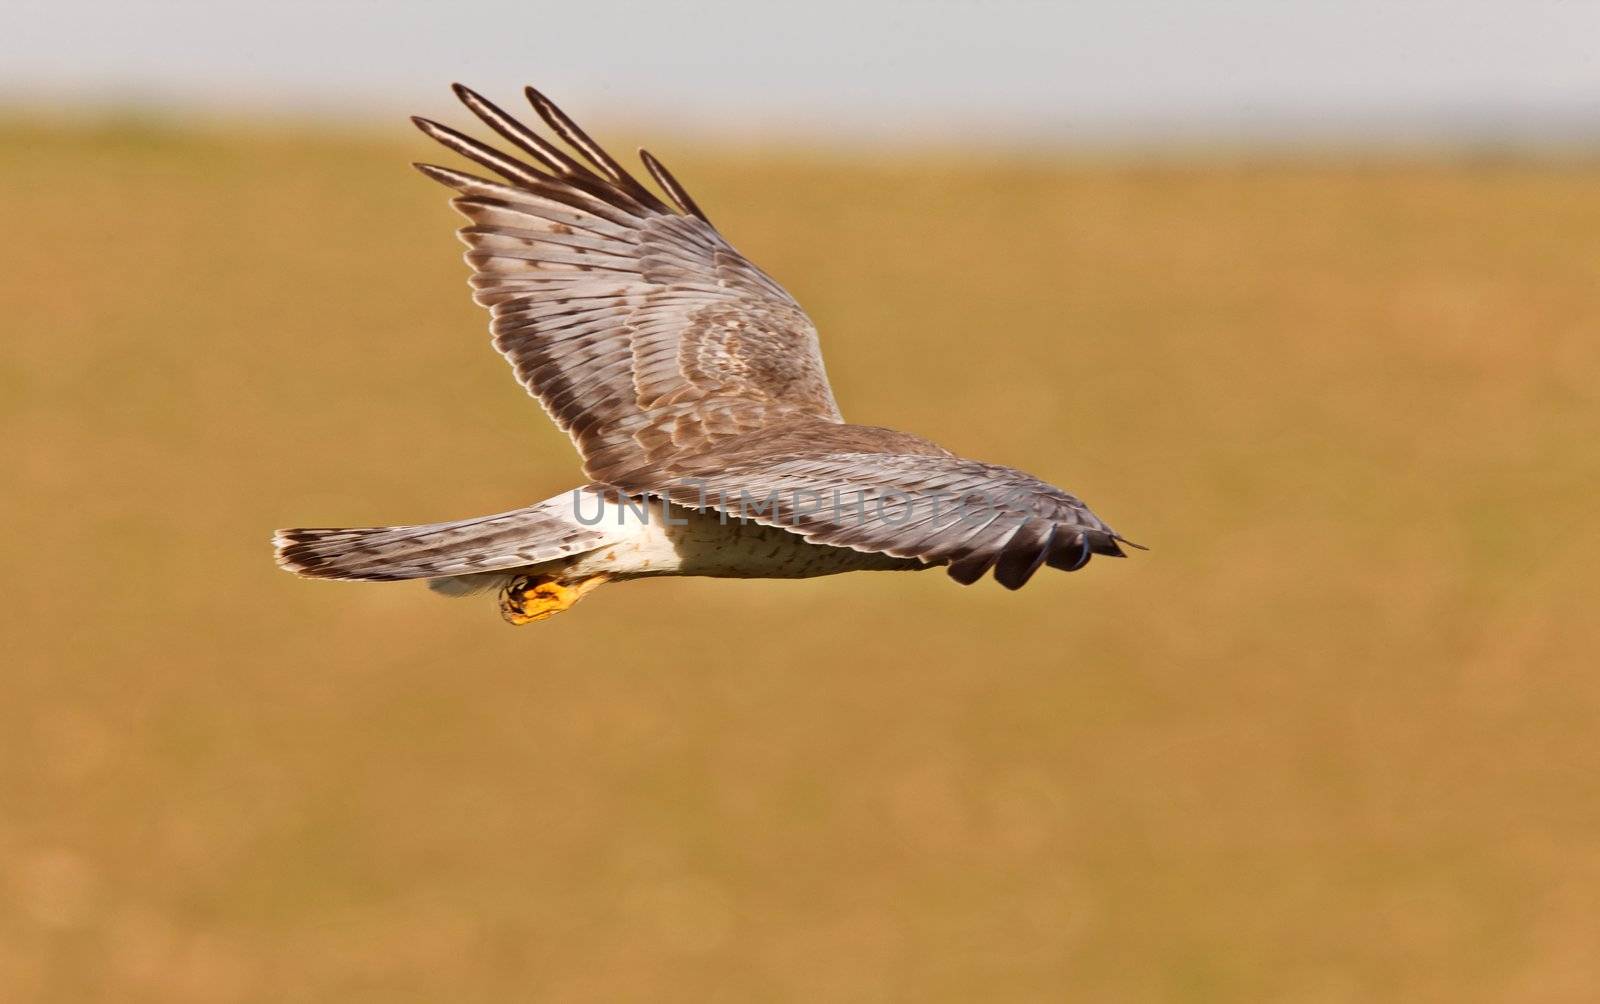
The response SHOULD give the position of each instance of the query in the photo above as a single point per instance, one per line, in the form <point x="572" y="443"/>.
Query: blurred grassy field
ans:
<point x="1335" y="738"/>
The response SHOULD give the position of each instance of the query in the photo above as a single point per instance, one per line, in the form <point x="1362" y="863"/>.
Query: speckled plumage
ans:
<point x="682" y="372"/>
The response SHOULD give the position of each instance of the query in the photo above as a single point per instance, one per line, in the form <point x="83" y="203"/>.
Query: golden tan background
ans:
<point x="1334" y="738"/>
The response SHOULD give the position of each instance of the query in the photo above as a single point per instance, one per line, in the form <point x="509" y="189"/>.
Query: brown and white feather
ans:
<point x="640" y="329"/>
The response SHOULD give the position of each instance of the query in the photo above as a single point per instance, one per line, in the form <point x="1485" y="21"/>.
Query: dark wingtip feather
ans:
<point x="443" y="175"/>
<point x="518" y="134"/>
<point x="540" y="103"/>
<point x="1023" y="554"/>
<point x="676" y="191"/>
<point x="510" y="168"/>
<point x="603" y="162"/>
<point x="1069" y="551"/>
<point x="1106" y="543"/>
<point x="969" y="569"/>
<point x="436" y="131"/>
<point x="1013" y="572"/>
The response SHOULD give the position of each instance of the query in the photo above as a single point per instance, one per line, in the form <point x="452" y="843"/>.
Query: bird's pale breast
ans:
<point x="671" y="540"/>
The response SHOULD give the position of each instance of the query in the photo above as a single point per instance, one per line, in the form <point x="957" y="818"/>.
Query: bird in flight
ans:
<point x="693" y="388"/>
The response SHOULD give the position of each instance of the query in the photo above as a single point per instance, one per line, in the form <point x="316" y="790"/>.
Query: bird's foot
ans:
<point x="529" y="598"/>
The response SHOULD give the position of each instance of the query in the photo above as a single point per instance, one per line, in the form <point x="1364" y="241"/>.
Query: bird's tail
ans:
<point x="468" y="547"/>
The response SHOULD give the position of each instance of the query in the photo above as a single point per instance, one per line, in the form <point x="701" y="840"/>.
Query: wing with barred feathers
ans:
<point x="641" y="330"/>
<point x="891" y="493"/>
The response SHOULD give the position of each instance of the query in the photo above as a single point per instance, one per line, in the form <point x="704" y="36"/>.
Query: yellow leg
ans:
<point x="527" y="598"/>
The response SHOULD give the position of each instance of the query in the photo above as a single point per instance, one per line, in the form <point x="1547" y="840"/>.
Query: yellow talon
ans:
<point x="527" y="599"/>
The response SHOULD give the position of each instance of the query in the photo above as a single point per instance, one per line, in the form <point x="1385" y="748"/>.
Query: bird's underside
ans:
<point x="694" y="389"/>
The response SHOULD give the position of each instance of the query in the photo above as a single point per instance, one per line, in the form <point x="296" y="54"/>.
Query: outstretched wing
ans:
<point x="639" y="328"/>
<point x="887" y="492"/>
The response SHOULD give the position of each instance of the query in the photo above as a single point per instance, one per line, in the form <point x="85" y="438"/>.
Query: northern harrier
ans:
<point x="693" y="387"/>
